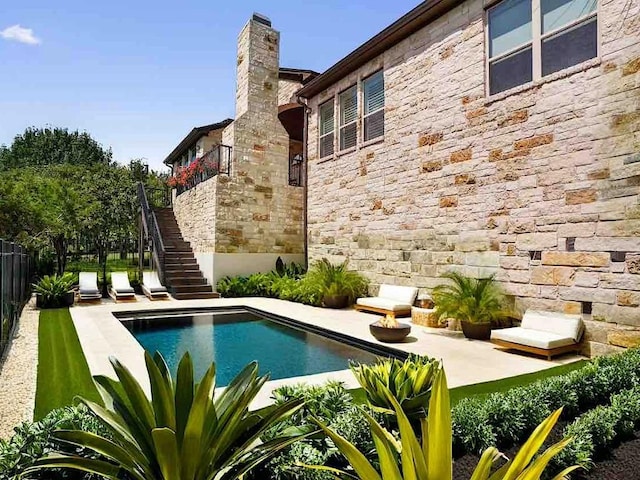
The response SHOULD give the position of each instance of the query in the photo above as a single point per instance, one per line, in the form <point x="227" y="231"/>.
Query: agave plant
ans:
<point x="469" y="299"/>
<point x="409" y="382"/>
<point x="431" y="459"/>
<point x="52" y="289"/>
<point x="184" y="432"/>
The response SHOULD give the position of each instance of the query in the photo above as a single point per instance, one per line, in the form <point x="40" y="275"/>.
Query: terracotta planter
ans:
<point x="335" y="301"/>
<point x="476" y="331"/>
<point x="390" y="334"/>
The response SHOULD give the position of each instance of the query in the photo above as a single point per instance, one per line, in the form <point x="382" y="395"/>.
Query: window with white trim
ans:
<point x="348" y="104"/>
<point x="373" y="120"/>
<point x="326" y="129"/>
<point x="530" y="39"/>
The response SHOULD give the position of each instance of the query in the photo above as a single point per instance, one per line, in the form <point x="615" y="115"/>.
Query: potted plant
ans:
<point x="475" y="302"/>
<point x="55" y="291"/>
<point x="338" y="286"/>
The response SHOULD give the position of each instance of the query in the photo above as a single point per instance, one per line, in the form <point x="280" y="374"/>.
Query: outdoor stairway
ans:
<point x="183" y="277"/>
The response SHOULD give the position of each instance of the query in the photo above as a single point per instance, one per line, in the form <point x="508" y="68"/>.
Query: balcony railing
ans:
<point x="216" y="161"/>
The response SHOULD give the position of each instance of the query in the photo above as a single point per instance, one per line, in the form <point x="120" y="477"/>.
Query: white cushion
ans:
<point x="532" y="338"/>
<point x="384" y="303"/>
<point x="406" y="295"/>
<point x="563" y="325"/>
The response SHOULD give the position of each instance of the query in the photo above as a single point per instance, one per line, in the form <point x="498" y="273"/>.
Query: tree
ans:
<point x="53" y="146"/>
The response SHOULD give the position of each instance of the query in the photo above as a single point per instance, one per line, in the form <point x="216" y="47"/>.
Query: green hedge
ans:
<point x="596" y="431"/>
<point x="505" y="419"/>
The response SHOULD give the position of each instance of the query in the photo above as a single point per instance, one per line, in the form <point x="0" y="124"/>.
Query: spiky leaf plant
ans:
<point x="475" y="300"/>
<point x="184" y="432"/>
<point x="431" y="459"/>
<point x="336" y="279"/>
<point x="409" y="382"/>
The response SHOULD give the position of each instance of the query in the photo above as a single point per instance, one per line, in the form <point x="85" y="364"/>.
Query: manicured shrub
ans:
<point x="507" y="418"/>
<point x="595" y="432"/>
<point x="333" y="405"/>
<point x="33" y="440"/>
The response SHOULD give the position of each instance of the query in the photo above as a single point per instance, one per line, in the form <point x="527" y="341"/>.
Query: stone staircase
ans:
<point x="183" y="277"/>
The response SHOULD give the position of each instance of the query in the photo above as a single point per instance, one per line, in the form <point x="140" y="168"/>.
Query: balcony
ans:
<point x="215" y="162"/>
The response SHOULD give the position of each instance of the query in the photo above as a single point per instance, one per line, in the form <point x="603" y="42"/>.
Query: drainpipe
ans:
<point x="303" y="101"/>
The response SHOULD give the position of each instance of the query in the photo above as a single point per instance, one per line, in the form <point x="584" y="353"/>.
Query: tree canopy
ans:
<point x="53" y="146"/>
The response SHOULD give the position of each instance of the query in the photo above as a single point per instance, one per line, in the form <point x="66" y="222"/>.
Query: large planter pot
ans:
<point x="335" y="301"/>
<point x="476" y="331"/>
<point x="65" y="301"/>
<point x="390" y="334"/>
<point x="68" y="299"/>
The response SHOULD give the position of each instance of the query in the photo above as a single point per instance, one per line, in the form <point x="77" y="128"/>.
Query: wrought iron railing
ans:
<point x="158" y="197"/>
<point x="215" y="162"/>
<point x="151" y="230"/>
<point x="15" y="274"/>
<point x="295" y="171"/>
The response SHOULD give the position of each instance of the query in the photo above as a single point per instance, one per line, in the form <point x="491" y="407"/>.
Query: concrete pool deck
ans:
<point x="465" y="361"/>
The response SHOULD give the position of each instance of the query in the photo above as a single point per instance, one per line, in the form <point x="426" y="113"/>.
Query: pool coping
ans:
<point x="466" y="362"/>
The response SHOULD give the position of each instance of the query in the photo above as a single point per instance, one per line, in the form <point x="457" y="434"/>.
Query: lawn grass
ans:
<point x="502" y="385"/>
<point x="458" y="393"/>
<point x="63" y="372"/>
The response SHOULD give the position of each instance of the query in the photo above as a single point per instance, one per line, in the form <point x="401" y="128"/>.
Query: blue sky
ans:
<point x="138" y="74"/>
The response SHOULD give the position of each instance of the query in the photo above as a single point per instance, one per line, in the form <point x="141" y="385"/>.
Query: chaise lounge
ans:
<point x="152" y="287"/>
<point x="121" y="288"/>
<point x="542" y="333"/>
<point x="393" y="300"/>
<point x="88" y="287"/>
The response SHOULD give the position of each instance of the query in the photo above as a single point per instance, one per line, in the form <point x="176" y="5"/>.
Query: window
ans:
<point x="373" y="124"/>
<point x="326" y="129"/>
<point x="348" y="102"/>
<point x="530" y="39"/>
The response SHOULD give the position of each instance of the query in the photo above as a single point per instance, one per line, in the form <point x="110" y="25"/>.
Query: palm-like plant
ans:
<point x="184" y="432"/>
<point x="53" y="288"/>
<point x="336" y="280"/>
<point x="409" y="382"/>
<point x="474" y="300"/>
<point x="431" y="459"/>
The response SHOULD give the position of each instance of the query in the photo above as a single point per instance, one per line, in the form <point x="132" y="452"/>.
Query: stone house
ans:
<point x="488" y="137"/>
<point x="242" y="215"/>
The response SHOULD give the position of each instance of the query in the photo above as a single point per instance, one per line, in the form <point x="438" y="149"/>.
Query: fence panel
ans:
<point x="15" y="268"/>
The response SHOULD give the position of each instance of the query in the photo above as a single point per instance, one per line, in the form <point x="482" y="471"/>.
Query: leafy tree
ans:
<point x="52" y="146"/>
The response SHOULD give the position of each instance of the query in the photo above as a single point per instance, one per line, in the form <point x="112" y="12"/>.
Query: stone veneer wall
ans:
<point x="196" y="215"/>
<point x="502" y="185"/>
<point x="287" y="90"/>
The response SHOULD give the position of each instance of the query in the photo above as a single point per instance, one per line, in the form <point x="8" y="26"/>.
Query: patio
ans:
<point x="466" y="362"/>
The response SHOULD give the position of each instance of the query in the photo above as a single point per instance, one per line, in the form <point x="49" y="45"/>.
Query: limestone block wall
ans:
<point x="195" y="212"/>
<point x="257" y="211"/>
<point x="287" y="90"/>
<point x="539" y="186"/>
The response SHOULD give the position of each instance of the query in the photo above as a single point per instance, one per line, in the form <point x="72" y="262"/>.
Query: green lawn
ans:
<point x="458" y="393"/>
<point x="63" y="373"/>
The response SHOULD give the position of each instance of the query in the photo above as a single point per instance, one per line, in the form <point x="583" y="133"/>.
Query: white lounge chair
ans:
<point x="542" y="333"/>
<point x="391" y="300"/>
<point x="120" y="287"/>
<point x="88" y="288"/>
<point x="152" y="287"/>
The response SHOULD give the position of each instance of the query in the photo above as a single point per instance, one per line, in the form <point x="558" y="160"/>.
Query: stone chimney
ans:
<point x="257" y="71"/>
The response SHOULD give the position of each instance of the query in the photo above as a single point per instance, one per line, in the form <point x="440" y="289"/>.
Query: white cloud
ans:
<point x="17" y="33"/>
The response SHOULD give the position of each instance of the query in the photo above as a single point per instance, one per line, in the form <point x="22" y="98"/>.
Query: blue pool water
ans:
<point x="232" y="341"/>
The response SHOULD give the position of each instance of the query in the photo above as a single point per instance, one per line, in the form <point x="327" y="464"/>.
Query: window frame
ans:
<point x="366" y="141"/>
<point x="537" y="37"/>
<point x="333" y="129"/>
<point x="341" y="127"/>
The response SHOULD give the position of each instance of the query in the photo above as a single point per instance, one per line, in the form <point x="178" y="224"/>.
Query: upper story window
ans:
<point x="348" y="102"/>
<point x="326" y="129"/>
<point x="529" y="39"/>
<point x="373" y="124"/>
<point x="354" y="125"/>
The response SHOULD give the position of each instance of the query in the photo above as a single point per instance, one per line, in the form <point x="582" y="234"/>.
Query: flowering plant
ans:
<point x="200" y="169"/>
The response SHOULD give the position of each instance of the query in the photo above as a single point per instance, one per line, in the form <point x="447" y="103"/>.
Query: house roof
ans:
<point x="193" y="137"/>
<point x="408" y="24"/>
<point x="297" y="74"/>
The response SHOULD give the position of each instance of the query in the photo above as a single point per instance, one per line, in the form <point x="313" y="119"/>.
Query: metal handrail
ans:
<point x="216" y="161"/>
<point x="152" y="230"/>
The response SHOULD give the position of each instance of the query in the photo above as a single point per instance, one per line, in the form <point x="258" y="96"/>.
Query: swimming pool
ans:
<point x="282" y="347"/>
